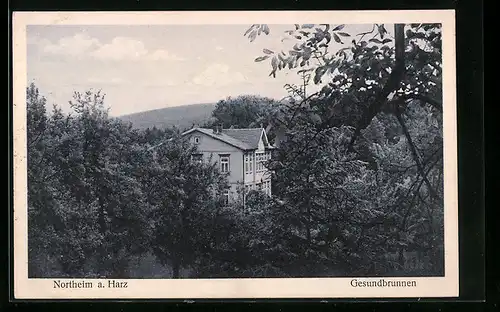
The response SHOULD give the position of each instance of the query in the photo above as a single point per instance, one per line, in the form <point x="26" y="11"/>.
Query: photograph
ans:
<point x="225" y="158"/>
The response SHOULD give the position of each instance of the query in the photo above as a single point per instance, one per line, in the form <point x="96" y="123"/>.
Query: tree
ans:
<point x="245" y="111"/>
<point x="379" y="95"/>
<point x="87" y="209"/>
<point x="40" y="199"/>
<point x="186" y="197"/>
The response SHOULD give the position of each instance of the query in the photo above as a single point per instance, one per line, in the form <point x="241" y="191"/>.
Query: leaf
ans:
<point x="274" y="63"/>
<point x="382" y="31"/>
<point x="267" y="51"/>
<point x="249" y="30"/>
<point x="298" y="37"/>
<point x="306" y="55"/>
<point x="337" y="38"/>
<point x="307" y="26"/>
<point x="375" y="40"/>
<point x="266" y="29"/>
<point x="343" y="34"/>
<point x="252" y="36"/>
<point x="319" y="36"/>
<point x="261" y="58"/>
<point x="386" y="41"/>
<point x="339" y="27"/>
<point x="328" y="37"/>
<point x="320" y="71"/>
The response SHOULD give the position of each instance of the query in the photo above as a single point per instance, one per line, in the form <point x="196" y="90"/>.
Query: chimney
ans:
<point x="218" y="129"/>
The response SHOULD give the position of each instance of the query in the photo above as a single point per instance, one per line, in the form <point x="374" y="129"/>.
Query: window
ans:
<point x="225" y="197"/>
<point x="260" y="158"/>
<point x="197" y="158"/>
<point x="197" y="140"/>
<point x="248" y="163"/>
<point x="266" y="187"/>
<point x="224" y="163"/>
<point x="268" y="156"/>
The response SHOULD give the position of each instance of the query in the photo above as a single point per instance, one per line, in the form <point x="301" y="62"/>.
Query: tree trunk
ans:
<point x="392" y="84"/>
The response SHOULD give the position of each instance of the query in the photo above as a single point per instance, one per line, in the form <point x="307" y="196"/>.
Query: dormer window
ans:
<point x="197" y="140"/>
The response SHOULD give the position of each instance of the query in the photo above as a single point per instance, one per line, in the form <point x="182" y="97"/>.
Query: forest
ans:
<point x="357" y="173"/>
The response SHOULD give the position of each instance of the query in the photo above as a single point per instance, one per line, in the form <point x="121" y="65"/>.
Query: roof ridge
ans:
<point x="243" y="138"/>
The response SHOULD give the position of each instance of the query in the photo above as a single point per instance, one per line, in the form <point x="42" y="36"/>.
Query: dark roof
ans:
<point x="249" y="136"/>
<point x="245" y="139"/>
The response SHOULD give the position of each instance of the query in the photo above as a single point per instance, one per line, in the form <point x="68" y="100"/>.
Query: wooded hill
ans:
<point x="181" y="117"/>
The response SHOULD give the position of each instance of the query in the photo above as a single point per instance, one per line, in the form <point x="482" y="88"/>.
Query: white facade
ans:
<point x="242" y="160"/>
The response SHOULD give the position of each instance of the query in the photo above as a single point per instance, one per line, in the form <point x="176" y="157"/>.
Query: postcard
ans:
<point x="209" y="155"/>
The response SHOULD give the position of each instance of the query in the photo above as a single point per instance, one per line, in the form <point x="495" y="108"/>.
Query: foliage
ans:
<point x="360" y="162"/>
<point x="244" y="111"/>
<point x="94" y="189"/>
<point x="186" y="197"/>
<point x="357" y="175"/>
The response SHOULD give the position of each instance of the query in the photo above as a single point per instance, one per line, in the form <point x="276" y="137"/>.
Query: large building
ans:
<point x="241" y="153"/>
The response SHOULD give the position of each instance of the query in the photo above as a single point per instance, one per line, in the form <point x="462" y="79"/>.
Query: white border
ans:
<point x="25" y="288"/>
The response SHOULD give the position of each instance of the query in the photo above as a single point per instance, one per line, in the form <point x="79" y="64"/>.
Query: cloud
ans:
<point x="76" y="45"/>
<point x="218" y="75"/>
<point x="30" y="40"/>
<point x="163" y="55"/>
<point x="159" y="83"/>
<point x="119" y="49"/>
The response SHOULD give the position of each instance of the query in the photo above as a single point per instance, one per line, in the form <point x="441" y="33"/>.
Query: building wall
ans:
<point x="256" y="179"/>
<point x="211" y="149"/>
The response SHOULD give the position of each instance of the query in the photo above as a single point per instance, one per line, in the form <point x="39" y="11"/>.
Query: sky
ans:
<point x="142" y="67"/>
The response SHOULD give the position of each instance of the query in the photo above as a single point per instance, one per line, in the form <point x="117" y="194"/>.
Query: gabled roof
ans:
<point x="249" y="136"/>
<point x="245" y="139"/>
